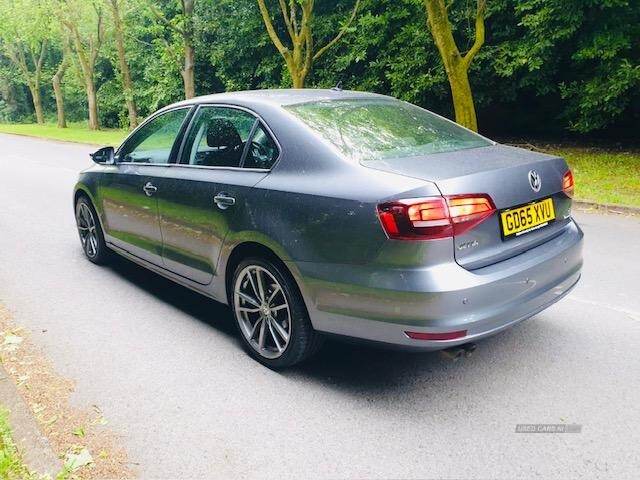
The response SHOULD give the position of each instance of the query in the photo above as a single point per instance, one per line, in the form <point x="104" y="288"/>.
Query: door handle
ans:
<point x="149" y="189"/>
<point x="224" y="201"/>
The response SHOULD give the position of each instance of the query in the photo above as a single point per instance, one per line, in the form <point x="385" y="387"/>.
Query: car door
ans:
<point x="129" y="192"/>
<point x="206" y="189"/>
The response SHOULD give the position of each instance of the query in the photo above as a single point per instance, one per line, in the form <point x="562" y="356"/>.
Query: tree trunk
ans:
<point x="456" y="66"/>
<point x="463" y="105"/>
<point x="127" y="84"/>
<point x="57" y="90"/>
<point x="37" y="102"/>
<point x="92" y="103"/>
<point x="188" y="71"/>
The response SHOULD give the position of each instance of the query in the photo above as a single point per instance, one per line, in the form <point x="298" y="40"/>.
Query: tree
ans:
<point x="86" y="29"/>
<point x="127" y="84"/>
<point x="56" y="81"/>
<point x="456" y="64"/>
<point x="182" y="25"/>
<point x="25" y="40"/>
<point x="298" y="20"/>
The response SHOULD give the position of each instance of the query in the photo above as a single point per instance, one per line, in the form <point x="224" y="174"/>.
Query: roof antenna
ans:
<point x="338" y="87"/>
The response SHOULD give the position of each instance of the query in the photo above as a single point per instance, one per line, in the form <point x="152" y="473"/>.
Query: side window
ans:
<point x="262" y="151"/>
<point x="218" y="137"/>
<point x="153" y="142"/>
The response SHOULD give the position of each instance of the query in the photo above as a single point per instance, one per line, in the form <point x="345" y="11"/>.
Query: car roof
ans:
<point x="281" y="97"/>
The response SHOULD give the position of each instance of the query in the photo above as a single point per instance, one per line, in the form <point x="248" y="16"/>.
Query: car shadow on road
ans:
<point x="355" y="368"/>
<point x="191" y="303"/>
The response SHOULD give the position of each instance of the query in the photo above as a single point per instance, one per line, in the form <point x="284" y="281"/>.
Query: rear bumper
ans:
<point x="440" y="298"/>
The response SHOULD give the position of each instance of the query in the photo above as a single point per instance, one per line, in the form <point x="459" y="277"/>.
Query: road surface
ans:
<point x="166" y="368"/>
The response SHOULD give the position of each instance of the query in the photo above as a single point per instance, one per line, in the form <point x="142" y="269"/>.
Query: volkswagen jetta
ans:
<point x="314" y="212"/>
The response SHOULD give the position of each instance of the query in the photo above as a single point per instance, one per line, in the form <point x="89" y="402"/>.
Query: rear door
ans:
<point x="223" y="156"/>
<point x="129" y="192"/>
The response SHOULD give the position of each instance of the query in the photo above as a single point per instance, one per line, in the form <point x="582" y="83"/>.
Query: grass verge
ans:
<point x="603" y="176"/>
<point x="88" y="450"/>
<point x="11" y="464"/>
<point x="75" y="132"/>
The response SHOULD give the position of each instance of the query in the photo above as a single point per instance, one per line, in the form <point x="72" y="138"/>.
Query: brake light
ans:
<point x="568" y="184"/>
<point x="434" y="217"/>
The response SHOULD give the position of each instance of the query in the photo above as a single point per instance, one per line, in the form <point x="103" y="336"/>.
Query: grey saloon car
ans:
<point x="316" y="212"/>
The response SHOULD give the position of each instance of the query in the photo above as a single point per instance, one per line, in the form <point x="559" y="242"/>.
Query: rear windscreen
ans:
<point x="383" y="129"/>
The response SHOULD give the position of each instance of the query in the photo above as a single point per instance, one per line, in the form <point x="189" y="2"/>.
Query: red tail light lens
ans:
<point x="568" y="184"/>
<point x="434" y="217"/>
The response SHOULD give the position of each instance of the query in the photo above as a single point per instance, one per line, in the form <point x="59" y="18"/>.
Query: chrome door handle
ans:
<point x="224" y="201"/>
<point x="149" y="189"/>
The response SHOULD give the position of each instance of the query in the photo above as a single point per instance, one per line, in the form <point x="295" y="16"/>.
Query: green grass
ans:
<point x="603" y="176"/>
<point x="75" y="132"/>
<point x="11" y="464"/>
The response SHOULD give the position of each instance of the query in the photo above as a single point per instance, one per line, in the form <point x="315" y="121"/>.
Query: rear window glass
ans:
<point x="381" y="129"/>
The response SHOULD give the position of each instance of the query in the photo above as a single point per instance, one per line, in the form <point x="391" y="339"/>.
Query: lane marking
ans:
<point x="633" y="315"/>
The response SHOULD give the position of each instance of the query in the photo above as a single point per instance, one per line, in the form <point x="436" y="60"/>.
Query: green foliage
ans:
<point x="548" y="67"/>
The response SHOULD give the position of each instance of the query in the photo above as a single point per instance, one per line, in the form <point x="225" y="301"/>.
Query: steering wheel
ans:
<point x="259" y="154"/>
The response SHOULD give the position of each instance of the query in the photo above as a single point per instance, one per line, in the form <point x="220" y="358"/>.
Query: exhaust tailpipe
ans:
<point x="456" y="353"/>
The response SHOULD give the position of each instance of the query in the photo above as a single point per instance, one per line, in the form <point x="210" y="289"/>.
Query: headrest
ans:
<point x="222" y="133"/>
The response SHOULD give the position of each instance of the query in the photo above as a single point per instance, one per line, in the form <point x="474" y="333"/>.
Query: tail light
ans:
<point x="434" y="217"/>
<point x="568" y="184"/>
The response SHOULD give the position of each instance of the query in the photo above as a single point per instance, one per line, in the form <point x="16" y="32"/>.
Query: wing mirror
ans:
<point x="104" y="156"/>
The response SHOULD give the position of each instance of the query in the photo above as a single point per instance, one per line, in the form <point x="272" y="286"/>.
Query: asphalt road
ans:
<point x="165" y="366"/>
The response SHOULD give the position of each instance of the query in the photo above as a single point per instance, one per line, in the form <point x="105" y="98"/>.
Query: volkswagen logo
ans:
<point x="534" y="180"/>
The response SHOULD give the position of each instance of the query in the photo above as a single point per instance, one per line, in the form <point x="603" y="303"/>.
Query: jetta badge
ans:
<point x="534" y="180"/>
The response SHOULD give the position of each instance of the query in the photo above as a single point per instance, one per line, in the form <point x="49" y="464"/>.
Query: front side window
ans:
<point x="218" y="137"/>
<point x="153" y="142"/>
<point x="384" y="129"/>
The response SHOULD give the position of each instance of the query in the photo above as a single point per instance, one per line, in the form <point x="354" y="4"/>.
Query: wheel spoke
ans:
<point x="260" y="284"/>
<point x="255" y="327"/>
<point x="273" y="294"/>
<point x="248" y="310"/>
<point x="273" y="335"/>
<point x="248" y="299"/>
<point x="279" y="307"/>
<point x="281" y="331"/>
<point x="261" y="336"/>
<point x="253" y="285"/>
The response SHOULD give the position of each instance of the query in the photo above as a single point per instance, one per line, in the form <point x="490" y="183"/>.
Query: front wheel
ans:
<point x="91" y="236"/>
<point x="270" y="314"/>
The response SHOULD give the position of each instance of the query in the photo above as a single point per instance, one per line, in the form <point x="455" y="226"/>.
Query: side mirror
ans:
<point x="104" y="156"/>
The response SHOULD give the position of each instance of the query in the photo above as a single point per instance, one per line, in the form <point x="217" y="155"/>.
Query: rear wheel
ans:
<point x="90" y="231"/>
<point x="270" y="314"/>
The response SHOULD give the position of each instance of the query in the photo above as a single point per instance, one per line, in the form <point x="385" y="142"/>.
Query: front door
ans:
<point x="129" y="192"/>
<point x="206" y="190"/>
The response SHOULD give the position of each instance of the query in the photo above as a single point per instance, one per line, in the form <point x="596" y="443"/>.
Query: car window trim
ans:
<point x="178" y="140"/>
<point x="260" y="121"/>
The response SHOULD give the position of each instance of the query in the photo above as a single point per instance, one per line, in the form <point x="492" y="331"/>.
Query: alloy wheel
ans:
<point x="87" y="229"/>
<point x="263" y="311"/>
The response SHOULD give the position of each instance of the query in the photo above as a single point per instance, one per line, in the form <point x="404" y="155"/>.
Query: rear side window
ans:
<point x="153" y="142"/>
<point x="262" y="151"/>
<point x="384" y="129"/>
<point x="218" y="137"/>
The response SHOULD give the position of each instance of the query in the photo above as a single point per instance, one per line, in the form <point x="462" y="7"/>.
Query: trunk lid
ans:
<point x="502" y="172"/>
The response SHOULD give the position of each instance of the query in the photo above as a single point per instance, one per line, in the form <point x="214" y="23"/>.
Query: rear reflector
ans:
<point x="568" y="184"/>
<point x="437" y="336"/>
<point x="434" y="217"/>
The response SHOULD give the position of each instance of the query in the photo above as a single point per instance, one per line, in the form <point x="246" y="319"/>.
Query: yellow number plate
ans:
<point x="520" y="220"/>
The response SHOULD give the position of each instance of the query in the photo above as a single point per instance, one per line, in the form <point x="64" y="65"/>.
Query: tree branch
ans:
<point x="479" y="36"/>
<point x="287" y="19"/>
<point x="162" y="19"/>
<point x="341" y="33"/>
<point x="284" y="51"/>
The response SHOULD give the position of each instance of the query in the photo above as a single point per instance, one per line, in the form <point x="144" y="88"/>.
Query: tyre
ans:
<point x="270" y="314"/>
<point x="90" y="231"/>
